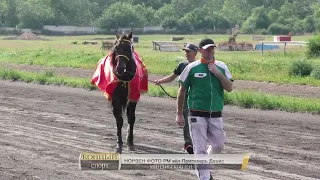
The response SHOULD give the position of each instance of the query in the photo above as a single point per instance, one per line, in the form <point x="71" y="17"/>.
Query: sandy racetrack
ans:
<point x="43" y="130"/>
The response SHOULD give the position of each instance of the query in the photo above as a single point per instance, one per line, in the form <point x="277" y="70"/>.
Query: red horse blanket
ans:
<point x="106" y="81"/>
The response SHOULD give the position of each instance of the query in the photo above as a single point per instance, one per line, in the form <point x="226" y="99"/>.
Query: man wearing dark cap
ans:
<point x="191" y="51"/>
<point x="205" y="81"/>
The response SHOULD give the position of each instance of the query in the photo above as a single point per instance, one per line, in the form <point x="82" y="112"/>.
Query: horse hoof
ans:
<point x="118" y="150"/>
<point x="131" y="148"/>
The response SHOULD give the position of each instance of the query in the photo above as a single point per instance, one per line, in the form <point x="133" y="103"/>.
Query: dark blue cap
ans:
<point x="190" y="47"/>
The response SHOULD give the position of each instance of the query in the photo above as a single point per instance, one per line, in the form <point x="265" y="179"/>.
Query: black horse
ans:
<point x="124" y="68"/>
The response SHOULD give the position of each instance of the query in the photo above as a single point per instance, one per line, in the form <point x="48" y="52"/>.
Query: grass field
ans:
<point x="271" y="67"/>
<point x="245" y="99"/>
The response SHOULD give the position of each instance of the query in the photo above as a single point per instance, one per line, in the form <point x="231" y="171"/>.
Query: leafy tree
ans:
<point x="316" y="8"/>
<point x="273" y="15"/>
<point x="184" y="26"/>
<point x="164" y="13"/>
<point x="276" y="28"/>
<point x="258" y="20"/>
<point x="147" y="14"/>
<point x="10" y="9"/>
<point x="34" y="15"/>
<point x="154" y="4"/>
<point x="300" y="9"/>
<point x="203" y="18"/>
<point x="181" y="7"/>
<point x="213" y="5"/>
<point x="115" y="17"/>
<point x="71" y="12"/>
<point x="170" y="23"/>
<point x="273" y="4"/>
<point x="309" y="24"/>
<point x="3" y="12"/>
<point x="297" y="25"/>
<point x="237" y="11"/>
<point x="316" y="14"/>
<point x="251" y="15"/>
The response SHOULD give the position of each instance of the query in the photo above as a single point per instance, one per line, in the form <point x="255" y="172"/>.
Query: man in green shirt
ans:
<point x="206" y="80"/>
<point x="191" y="51"/>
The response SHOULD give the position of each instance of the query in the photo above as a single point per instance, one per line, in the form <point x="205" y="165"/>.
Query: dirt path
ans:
<point x="43" y="130"/>
<point x="274" y="88"/>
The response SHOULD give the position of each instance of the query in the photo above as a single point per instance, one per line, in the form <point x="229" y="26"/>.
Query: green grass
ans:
<point x="249" y="99"/>
<point x="78" y="58"/>
<point x="245" y="99"/>
<point x="44" y="78"/>
<point x="243" y="66"/>
<point x="59" y="52"/>
<point x="265" y="101"/>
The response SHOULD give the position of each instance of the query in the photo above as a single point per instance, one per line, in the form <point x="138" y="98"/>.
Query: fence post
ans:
<point x="285" y="45"/>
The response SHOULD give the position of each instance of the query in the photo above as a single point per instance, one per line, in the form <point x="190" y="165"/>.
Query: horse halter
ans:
<point x="123" y="55"/>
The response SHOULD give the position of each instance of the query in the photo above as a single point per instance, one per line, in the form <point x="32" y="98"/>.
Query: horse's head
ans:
<point x="122" y="53"/>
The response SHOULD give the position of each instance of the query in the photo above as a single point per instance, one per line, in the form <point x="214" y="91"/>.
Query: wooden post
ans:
<point x="285" y="45"/>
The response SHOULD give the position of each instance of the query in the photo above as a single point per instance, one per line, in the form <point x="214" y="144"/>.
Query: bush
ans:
<point x="263" y="32"/>
<point x="276" y="28"/>
<point x="315" y="73"/>
<point x="184" y="27"/>
<point x="313" y="49"/>
<point x="300" y="68"/>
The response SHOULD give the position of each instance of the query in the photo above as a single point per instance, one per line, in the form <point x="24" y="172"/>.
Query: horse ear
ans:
<point x="130" y="35"/>
<point x="117" y="34"/>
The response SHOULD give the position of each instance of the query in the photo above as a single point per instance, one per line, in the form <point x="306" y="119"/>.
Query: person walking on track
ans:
<point x="206" y="80"/>
<point x="191" y="51"/>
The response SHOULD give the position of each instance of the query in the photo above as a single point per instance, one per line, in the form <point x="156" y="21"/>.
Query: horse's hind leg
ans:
<point x="117" y="112"/>
<point x="131" y="109"/>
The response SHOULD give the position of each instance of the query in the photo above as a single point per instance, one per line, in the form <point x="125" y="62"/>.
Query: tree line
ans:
<point x="181" y="16"/>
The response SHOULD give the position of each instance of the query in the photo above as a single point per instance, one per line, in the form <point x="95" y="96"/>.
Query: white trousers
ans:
<point x="203" y="131"/>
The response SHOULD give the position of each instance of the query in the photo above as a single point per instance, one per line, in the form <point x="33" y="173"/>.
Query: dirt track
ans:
<point x="43" y="130"/>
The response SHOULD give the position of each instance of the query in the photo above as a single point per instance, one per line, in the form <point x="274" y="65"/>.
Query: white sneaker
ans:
<point x="211" y="151"/>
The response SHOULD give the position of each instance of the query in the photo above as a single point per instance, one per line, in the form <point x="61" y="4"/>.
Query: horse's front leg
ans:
<point x="117" y="112"/>
<point x="131" y="109"/>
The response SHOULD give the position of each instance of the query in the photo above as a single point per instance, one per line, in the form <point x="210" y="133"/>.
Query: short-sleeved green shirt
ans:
<point x="206" y="92"/>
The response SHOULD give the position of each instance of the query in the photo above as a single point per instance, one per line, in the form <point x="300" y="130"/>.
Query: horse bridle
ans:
<point x="123" y="55"/>
<point x="140" y="76"/>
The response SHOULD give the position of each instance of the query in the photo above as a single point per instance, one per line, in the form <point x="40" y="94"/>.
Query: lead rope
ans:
<point x="155" y="83"/>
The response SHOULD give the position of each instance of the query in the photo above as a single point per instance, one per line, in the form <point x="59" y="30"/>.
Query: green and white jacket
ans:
<point x="206" y="93"/>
